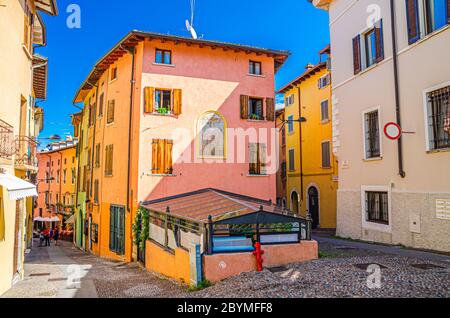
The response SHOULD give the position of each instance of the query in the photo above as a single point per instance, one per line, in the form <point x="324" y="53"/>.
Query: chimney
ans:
<point x="309" y="66"/>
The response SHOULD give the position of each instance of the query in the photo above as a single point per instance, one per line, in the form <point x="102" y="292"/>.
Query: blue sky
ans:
<point x="293" y="25"/>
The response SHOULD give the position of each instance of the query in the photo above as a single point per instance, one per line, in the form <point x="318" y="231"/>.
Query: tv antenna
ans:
<point x="190" y="24"/>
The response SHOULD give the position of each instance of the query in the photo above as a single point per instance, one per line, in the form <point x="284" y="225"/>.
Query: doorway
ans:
<point x="294" y="202"/>
<point x="313" y="206"/>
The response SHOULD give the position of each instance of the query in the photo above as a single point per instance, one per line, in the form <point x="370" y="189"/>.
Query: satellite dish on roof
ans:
<point x="191" y="29"/>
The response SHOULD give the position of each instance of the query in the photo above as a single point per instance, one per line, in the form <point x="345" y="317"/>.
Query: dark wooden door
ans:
<point x="313" y="206"/>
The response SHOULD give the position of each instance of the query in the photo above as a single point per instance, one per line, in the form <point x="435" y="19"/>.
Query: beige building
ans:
<point x="392" y="191"/>
<point x="22" y="81"/>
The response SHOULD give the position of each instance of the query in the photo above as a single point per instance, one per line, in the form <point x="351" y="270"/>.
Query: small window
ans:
<point x="89" y="158"/>
<point x="255" y="68"/>
<point x="289" y="100"/>
<point x="73" y="175"/>
<point x="163" y="101"/>
<point x="377" y="209"/>
<point x="370" y="43"/>
<point x="96" y="191"/>
<point x="324" y="81"/>
<point x="290" y="123"/>
<point x="163" y="57"/>
<point x="438" y="117"/>
<point x="291" y="160"/>
<point x="372" y="134"/>
<point x="109" y="155"/>
<point x="283" y="136"/>
<point x="326" y="155"/>
<point x="324" y="111"/>
<point x="110" y="112"/>
<point x="64" y="176"/>
<point x="255" y="108"/>
<point x="97" y="155"/>
<point x="114" y="73"/>
<point x="257" y="164"/>
<point x="100" y="105"/>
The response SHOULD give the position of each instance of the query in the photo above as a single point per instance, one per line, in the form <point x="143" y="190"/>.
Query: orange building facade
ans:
<point x="145" y="105"/>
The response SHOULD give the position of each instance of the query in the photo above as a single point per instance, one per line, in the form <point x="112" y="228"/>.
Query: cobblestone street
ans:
<point x="340" y="272"/>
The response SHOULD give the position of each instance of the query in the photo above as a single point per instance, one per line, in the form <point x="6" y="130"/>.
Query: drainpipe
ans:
<point x="401" y="172"/>
<point x="301" y="147"/>
<point x="132" y="51"/>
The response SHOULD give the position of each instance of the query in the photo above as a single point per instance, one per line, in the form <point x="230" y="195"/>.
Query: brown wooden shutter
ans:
<point x="148" y="99"/>
<point x="379" y="41"/>
<point x="357" y="54"/>
<point x="168" y="146"/>
<point x="177" y="98"/>
<point x="155" y="169"/>
<point x="110" y="115"/>
<point x="412" y="19"/>
<point x="270" y="109"/>
<point x="244" y="106"/>
<point x="161" y="160"/>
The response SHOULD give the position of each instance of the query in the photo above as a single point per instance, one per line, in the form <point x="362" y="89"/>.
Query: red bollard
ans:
<point x="258" y="253"/>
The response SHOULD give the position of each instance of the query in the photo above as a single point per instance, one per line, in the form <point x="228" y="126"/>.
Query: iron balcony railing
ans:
<point x="26" y="150"/>
<point x="7" y="145"/>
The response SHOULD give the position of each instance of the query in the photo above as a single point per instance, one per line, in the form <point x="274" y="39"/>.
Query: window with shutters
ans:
<point x="254" y="68"/>
<point x="368" y="48"/>
<point x="97" y="155"/>
<point x="96" y="190"/>
<point x="73" y="176"/>
<point x="162" y="157"/>
<point x="212" y="135"/>
<point x="64" y="176"/>
<point x="89" y="159"/>
<point x="377" y="207"/>
<point x="100" y="105"/>
<point x="324" y="111"/>
<point x="426" y="16"/>
<point x="291" y="158"/>
<point x="113" y="74"/>
<point x="258" y="154"/>
<point x="117" y="229"/>
<point x="372" y="137"/>
<point x="28" y="29"/>
<point x="289" y="100"/>
<point x="326" y="155"/>
<point x="162" y="101"/>
<point x="438" y="118"/>
<point x="255" y="108"/>
<point x="109" y="157"/>
<point x="163" y="57"/>
<point x="110" y="111"/>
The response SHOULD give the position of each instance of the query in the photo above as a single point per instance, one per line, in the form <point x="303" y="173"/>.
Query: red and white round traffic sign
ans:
<point x="393" y="131"/>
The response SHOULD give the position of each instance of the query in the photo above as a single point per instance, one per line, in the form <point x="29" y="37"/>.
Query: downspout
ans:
<point x="301" y="146"/>
<point x="401" y="172"/>
<point x="132" y="51"/>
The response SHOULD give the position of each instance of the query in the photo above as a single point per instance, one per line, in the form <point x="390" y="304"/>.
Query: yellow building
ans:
<point x="23" y="80"/>
<point x="312" y="174"/>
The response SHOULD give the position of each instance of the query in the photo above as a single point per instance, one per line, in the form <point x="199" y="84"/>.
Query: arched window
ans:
<point x="211" y="135"/>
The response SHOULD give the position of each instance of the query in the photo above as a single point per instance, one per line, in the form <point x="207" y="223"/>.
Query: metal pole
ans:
<point x="210" y="236"/>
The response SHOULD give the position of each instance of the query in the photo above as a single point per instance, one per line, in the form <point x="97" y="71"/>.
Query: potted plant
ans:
<point x="163" y="110"/>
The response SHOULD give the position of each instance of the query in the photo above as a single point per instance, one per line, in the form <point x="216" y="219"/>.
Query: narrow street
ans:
<point x="341" y="271"/>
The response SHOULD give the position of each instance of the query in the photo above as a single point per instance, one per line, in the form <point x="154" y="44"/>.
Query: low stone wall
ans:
<point x="217" y="267"/>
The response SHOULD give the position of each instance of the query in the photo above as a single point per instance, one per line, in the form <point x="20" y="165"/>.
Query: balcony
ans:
<point x="7" y="145"/>
<point x="26" y="150"/>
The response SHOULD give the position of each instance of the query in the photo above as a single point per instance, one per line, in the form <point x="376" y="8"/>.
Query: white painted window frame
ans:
<point x="367" y="225"/>
<point x="380" y="128"/>
<point x="425" y="114"/>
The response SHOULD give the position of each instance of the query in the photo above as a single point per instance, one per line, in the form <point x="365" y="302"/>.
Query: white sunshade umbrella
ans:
<point x="39" y="219"/>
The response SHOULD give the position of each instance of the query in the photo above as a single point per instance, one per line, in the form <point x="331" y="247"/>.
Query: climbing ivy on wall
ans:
<point x="141" y="228"/>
